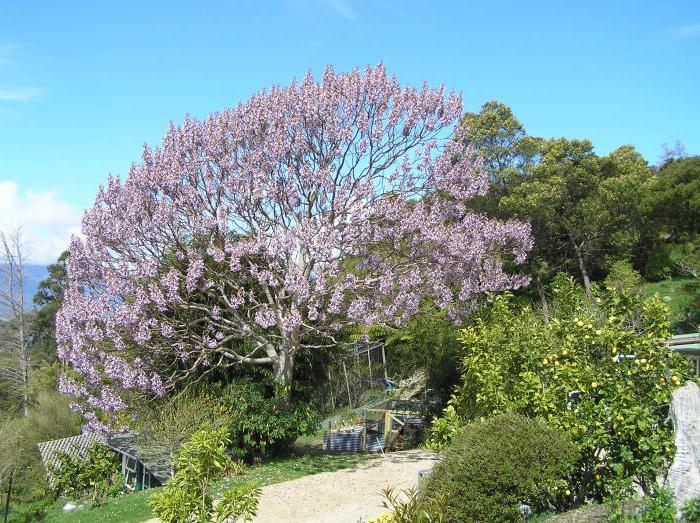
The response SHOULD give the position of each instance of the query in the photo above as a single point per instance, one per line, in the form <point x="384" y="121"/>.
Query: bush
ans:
<point x="95" y="477"/>
<point x="623" y="277"/>
<point x="165" y="424"/>
<point x="660" y="508"/>
<point x="406" y="507"/>
<point x="260" y="424"/>
<point x="28" y="512"/>
<point x="493" y="466"/>
<point x="188" y="496"/>
<point x="691" y="510"/>
<point x="49" y="418"/>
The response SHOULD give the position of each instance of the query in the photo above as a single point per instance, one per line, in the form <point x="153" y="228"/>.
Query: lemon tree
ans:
<point x="598" y="370"/>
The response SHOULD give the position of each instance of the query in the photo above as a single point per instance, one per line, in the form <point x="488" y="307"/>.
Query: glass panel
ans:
<point x="131" y="464"/>
<point x="130" y="480"/>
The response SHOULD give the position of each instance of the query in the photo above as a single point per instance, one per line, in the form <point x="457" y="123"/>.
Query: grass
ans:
<point x="294" y="467"/>
<point x="133" y="508"/>
<point x="680" y="294"/>
<point x="127" y="508"/>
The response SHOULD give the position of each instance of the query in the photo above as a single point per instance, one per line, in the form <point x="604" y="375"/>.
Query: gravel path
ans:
<point x="348" y="495"/>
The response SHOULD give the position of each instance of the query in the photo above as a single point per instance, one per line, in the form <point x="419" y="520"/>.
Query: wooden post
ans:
<point x="347" y="384"/>
<point x="386" y="378"/>
<point x="369" y="362"/>
<point x="330" y="388"/>
<point x="7" y="499"/>
<point x="330" y="433"/>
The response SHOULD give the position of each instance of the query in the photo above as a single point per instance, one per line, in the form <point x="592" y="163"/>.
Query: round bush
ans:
<point x="493" y="466"/>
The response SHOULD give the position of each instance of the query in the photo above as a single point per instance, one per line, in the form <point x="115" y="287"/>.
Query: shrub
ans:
<point x="95" y="477"/>
<point x="691" y="510"/>
<point x="660" y="508"/>
<point x="164" y="425"/>
<point x="188" y="496"/>
<point x="596" y="370"/>
<point x="623" y="277"/>
<point x="493" y="466"/>
<point x="405" y="507"/>
<point x="240" y="500"/>
<point x="260" y="424"/>
<point x="28" y="512"/>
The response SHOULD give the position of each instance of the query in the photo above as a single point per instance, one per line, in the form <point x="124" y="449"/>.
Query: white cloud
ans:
<point x="20" y="94"/>
<point x="47" y="223"/>
<point x="687" y="30"/>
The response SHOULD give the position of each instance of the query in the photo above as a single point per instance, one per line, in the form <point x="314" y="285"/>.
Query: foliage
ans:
<point x="660" y="508"/>
<point x="164" y="424"/>
<point x="238" y="500"/>
<point x="673" y="202"/>
<point x="95" y="477"/>
<point x="28" y="512"/>
<point x="258" y="424"/>
<point x="493" y="466"/>
<point x="48" y="418"/>
<point x="498" y="138"/>
<point x="443" y="429"/>
<point x="405" y="507"/>
<point x="682" y="296"/>
<point x="188" y="496"/>
<point x="691" y="510"/>
<point x="580" y="205"/>
<point x="623" y="277"/>
<point x="620" y="491"/>
<point x="428" y="342"/>
<point x="598" y="371"/>
<point x="268" y="227"/>
<point x="48" y="299"/>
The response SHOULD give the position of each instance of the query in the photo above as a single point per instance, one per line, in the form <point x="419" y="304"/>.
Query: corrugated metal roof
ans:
<point x="156" y="458"/>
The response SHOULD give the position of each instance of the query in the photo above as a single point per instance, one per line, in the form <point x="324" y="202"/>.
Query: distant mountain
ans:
<point x="33" y="274"/>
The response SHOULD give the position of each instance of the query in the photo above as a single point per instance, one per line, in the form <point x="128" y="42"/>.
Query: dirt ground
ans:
<point x="349" y="495"/>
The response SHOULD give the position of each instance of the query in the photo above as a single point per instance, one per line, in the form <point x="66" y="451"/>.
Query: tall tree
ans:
<point x="499" y="140"/>
<point x="583" y="208"/>
<point x="334" y="200"/>
<point x="15" y="341"/>
<point x="48" y="300"/>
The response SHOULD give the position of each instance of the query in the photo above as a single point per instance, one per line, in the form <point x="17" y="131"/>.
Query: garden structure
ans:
<point x="390" y="426"/>
<point x="142" y="466"/>
<point x="689" y="346"/>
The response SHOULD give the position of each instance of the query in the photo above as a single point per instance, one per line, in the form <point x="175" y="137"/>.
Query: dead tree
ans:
<point x="14" y="347"/>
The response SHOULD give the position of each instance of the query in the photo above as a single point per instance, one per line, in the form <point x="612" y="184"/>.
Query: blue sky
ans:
<point x="84" y="84"/>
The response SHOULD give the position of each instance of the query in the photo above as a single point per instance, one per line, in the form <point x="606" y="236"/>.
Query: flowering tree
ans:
<point x="266" y="228"/>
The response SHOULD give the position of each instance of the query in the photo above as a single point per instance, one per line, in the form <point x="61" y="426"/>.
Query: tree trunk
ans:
<point x="283" y="367"/>
<point x="24" y="366"/>
<point x="543" y="298"/>
<point x="584" y="272"/>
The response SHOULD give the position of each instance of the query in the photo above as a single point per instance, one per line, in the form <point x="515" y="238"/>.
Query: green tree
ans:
<point x="48" y="300"/>
<point x="581" y="207"/>
<point x="497" y="137"/>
